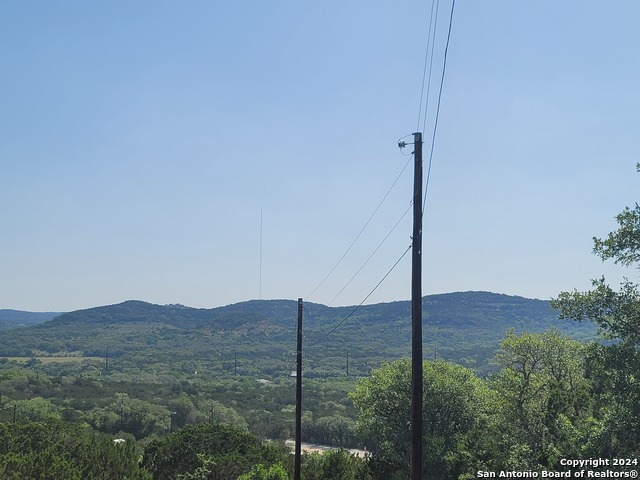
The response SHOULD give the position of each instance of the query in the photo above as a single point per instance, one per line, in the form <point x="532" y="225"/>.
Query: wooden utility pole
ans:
<point x="347" y="362"/>
<point x="298" y="449"/>
<point x="416" y="314"/>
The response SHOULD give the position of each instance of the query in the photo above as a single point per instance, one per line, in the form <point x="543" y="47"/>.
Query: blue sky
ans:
<point x="143" y="143"/>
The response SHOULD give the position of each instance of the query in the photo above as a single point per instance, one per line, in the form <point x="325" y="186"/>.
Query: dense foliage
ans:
<point x="219" y="451"/>
<point x="550" y="399"/>
<point x="336" y="464"/>
<point x="452" y="395"/>
<point x="56" y="451"/>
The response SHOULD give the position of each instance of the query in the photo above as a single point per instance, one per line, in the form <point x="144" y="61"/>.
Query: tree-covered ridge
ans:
<point x="459" y="309"/>
<point x="258" y="336"/>
<point x="18" y="318"/>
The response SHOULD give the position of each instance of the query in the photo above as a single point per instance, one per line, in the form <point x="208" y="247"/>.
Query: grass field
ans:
<point x="46" y="360"/>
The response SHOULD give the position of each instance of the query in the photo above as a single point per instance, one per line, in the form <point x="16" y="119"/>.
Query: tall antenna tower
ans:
<point x="260" y="274"/>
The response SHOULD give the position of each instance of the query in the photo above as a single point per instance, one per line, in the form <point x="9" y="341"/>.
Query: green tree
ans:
<point x="183" y="412"/>
<point x="454" y="401"/>
<point x="545" y="395"/>
<point x="260" y="472"/>
<point x="335" y="430"/>
<point x="615" y="367"/>
<point x="138" y="417"/>
<point x="55" y="450"/>
<point x="214" y="452"/>
<point x="335" y="465"/>
<point x="37" y="409"/>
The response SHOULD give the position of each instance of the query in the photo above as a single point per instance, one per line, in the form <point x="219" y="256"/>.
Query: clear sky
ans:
<point x="143" y="144"/>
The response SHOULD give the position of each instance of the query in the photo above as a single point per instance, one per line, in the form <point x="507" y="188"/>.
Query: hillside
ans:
<point x="18" y="318"/>
<point x="258" y="336"/>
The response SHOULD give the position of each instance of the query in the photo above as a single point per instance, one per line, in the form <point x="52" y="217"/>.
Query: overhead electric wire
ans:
<point x="433" y="137"/>
<point x="372" y="254"/>
<point x="433" y="41"/>
<point x="339" y="324"/>
<point x="435" y="124"/>
<point x="361" y="231"/>
<point x="430" y="47"/>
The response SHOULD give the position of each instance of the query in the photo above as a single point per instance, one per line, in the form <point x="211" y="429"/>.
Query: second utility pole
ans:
<point x="416" y="314"/>
<point x="298" y="447"/>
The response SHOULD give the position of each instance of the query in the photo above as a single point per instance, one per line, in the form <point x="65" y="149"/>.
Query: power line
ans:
<point x="431" y="39"/>
<point x="435" y="125"/>
<point x="372" y="254"/>
<point x="430" y="46"/>
<point x="433" y="49"/>
<point x="339" y="324"/>
<point x="359" y="233"/>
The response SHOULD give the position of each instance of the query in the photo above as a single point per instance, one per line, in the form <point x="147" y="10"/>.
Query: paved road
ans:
<point x="312" y="447"/>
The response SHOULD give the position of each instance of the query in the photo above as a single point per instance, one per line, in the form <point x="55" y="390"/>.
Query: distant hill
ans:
<point x="465" y="327"/>
<point x="19" y="318"/>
